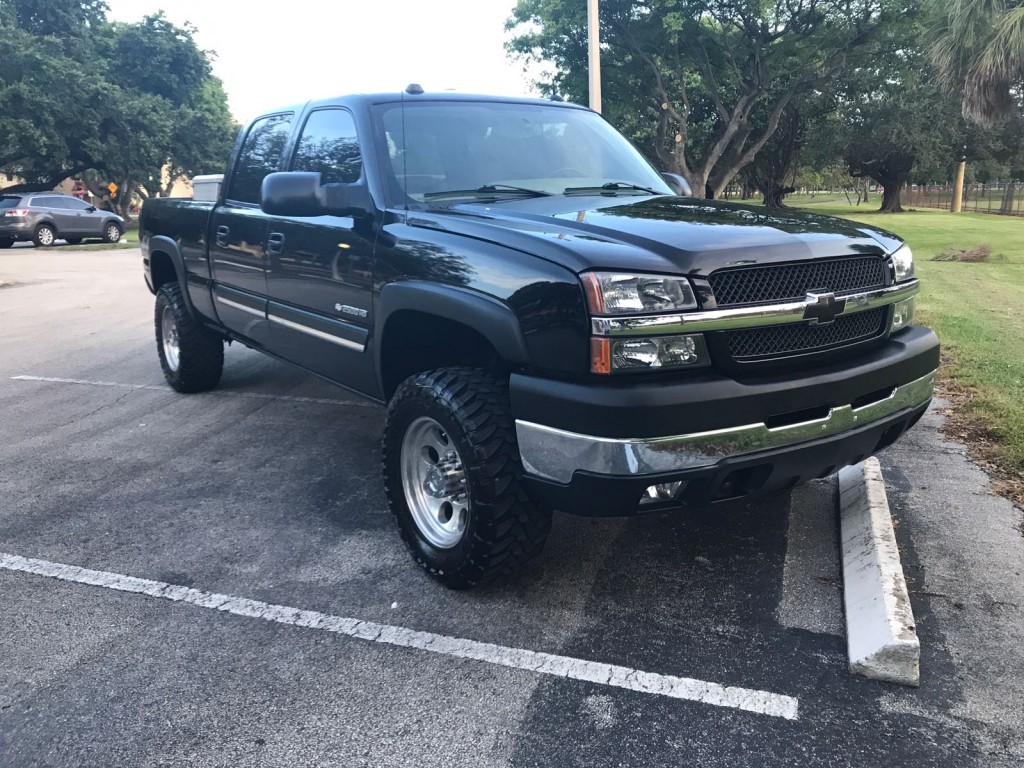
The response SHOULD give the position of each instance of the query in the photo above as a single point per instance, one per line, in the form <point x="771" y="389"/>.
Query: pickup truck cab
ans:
<point x="551" y="322"/>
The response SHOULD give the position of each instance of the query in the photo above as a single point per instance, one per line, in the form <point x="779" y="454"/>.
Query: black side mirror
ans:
<point x="679" y="185"/>
<point x="301" y="194"/>
<point x="91" y="209"/>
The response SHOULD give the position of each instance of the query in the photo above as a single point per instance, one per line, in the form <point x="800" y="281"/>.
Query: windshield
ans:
<point x="489" y="149"/>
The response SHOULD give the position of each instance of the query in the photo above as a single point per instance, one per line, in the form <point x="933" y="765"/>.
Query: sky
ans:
<point x="272" y="54"/>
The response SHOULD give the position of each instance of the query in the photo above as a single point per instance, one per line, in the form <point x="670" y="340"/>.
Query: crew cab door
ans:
<point x="238" y="232"/>
<point x="320" y="269"/>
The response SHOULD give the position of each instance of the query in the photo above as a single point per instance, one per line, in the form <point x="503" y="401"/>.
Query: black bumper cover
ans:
<point x="707" y="402"/>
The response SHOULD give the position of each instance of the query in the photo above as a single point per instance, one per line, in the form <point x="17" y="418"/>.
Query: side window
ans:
<point x="77" y="205"/>
<point x="329" y="146"/>
<point x="260" y="155"/>
<point x="47" y="202"/>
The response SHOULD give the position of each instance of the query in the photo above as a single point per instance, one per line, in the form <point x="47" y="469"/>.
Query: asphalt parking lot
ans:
<point x="268" y="490"/>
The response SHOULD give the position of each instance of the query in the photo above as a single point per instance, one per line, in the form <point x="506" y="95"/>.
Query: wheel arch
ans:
<point x="165" y="264"/>
<point x="426" y="326"/>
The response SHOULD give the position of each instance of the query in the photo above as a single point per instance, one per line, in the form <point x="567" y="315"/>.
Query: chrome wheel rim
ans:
<point x="46" y="236"/>
<point x="113" y="234"/>
<point x="169" y="338"/>
<point x="434" y="481"/>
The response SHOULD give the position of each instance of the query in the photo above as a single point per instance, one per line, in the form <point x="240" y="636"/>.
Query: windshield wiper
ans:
<point x="611" y="186"/>
<point x="487" y="190"/>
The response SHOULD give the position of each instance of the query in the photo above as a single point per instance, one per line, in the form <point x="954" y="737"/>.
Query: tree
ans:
<point x="136" y="104"/>
<point x="900" y="125"/>
<point x="704" y="84"/>
<point x="978" y="50"/>
<point x="768" y="171"/>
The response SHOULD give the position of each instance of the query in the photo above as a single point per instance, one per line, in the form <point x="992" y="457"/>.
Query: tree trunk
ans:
<point x="774" y="196"/>
<point x="891" y="189"/>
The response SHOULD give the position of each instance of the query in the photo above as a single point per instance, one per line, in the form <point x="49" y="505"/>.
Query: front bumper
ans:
<point x="743" y="437"/>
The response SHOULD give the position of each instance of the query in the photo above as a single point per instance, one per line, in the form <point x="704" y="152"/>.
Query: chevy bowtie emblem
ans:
<point x="823" y="308"/>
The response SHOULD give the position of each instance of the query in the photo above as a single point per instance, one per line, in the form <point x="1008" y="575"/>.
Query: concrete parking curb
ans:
<point x="881" y="635"/>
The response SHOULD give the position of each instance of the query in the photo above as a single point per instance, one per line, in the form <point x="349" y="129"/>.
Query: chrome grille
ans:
<point x="752" y="344"/>
<point x="774" y="283"/>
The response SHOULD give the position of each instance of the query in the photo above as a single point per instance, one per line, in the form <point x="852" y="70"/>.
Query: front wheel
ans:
<point x="453" y="478"/>
<point x="192" y="357"/>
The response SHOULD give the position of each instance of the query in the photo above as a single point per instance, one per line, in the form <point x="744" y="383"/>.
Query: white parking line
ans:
<point x="761" y="702"/>
<point x="219" y="393"/>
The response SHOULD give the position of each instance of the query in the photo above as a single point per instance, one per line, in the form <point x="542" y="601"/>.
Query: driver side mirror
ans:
<point x="679" y="185"/>
<point x="91" y="209"/>
<point x="302" y="194"/>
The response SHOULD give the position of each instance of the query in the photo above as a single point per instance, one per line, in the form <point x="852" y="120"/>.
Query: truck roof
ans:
<point x="367" y="99"/>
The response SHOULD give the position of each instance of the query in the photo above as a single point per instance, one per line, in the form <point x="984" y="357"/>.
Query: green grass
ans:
<point x="977" y="310"/>
<point x="130" y="239"/>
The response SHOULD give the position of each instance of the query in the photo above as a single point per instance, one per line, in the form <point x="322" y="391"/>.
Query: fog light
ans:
<point x="902" y="315"/>
<point x="661" y="492"/>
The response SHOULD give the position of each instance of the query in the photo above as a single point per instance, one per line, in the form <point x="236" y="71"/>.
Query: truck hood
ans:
<point x="653" y="234"/>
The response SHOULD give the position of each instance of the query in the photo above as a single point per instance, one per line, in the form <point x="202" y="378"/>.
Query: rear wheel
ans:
<point x="112" y="232"/>
<point x="453" y="478"/>
<point x="6" y="243"/>
<point x="192" y="357"/>
<point x="44" y="236"/>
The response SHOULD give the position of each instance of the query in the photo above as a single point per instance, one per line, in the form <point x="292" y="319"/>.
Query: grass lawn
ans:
<point x="977" y="310"/>
<point x="130" y="239"/>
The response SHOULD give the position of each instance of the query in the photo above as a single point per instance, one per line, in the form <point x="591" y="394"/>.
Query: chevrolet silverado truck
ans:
<point x="550" y="321"/>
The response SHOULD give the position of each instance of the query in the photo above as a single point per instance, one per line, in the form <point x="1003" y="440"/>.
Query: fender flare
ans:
<point x="164" y="244"/>
<point x="488" y="316"/>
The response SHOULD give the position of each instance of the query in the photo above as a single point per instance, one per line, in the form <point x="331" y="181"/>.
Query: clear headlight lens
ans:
<point x="644" y="354"/>
<point x="903" y="261"/>
<point x="615" y="293"/>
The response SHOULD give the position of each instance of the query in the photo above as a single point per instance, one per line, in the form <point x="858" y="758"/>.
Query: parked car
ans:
<point x="46" y="217"/>
<point x="551" y="322"/>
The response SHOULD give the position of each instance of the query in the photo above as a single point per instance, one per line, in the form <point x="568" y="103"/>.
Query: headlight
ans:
<point x="644" y="354"/>
<point x="614" y="293"/>
<point x="903" y="262"/>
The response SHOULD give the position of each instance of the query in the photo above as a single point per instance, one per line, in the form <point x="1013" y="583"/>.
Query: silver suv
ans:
<point x="45" y="217"/>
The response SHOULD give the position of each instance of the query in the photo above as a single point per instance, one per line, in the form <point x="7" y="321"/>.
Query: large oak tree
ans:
<point x="704" y="84"/>
<point x="128" y="103"/>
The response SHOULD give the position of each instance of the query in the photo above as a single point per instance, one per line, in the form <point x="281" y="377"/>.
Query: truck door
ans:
<point x="320" y="269"/>
<point x="238" y="232"/>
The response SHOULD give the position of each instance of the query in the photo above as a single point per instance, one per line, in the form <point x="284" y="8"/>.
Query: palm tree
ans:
<point x="978" y="50"/>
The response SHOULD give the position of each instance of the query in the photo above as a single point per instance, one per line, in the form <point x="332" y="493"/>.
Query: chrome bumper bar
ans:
<point x="749" y="317"/>
<point x="554" y="454"/>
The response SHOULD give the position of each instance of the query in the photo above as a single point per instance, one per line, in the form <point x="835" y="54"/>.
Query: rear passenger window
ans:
<point x="260" y="155"/>
<point x="329" y="146"/>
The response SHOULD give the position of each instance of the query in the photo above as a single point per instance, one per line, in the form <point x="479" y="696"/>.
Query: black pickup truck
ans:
<point x="551" y="322"/>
